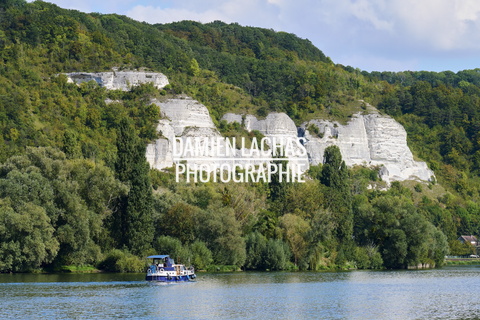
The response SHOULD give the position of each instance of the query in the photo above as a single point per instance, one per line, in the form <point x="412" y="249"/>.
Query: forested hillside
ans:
<point x="75" y="188"/>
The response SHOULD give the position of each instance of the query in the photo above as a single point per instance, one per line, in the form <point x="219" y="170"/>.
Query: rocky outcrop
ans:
<point x="277" y="127"/>
<point x="182" y="117"/>
<point x="275" y="124"/>
<point x="367" y="139"/>
<point x="232" y="117"/>
<point x="372" y="140"/>
<point x="160" y="153"/>
<point x="119" y="80"/>
<point x="185" y="113"/>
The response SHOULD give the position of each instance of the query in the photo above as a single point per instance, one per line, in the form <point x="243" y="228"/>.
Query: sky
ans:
<point x="372" y="35"/>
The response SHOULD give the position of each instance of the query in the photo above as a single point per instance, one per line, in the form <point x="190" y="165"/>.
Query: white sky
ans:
<point x="373" y="35"/>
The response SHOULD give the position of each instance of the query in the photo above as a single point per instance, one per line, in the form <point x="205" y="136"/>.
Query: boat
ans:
<point x="164" y="269"/>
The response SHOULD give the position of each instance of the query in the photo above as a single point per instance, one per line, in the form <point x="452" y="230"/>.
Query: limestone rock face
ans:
<point x="183" y="118"/>
<point x="278" y="124"/>
<point x="367" y="139"/>
<point x="186" y="119"/>
<point x="278" y="127"/>
<point x="185" y="113"/>
<point x="119" y="80"/>
<point x="371" y="140"/>
<point x="232" y="117"/>
<point x="160" y="153"/>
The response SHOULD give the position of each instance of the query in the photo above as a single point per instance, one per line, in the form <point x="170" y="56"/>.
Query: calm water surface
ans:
<point x="449" y="293"/>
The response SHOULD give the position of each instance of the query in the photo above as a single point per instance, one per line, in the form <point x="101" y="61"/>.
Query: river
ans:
<point x="448" y="293"/>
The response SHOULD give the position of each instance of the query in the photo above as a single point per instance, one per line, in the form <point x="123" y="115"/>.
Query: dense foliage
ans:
<point x="75" y="188"/>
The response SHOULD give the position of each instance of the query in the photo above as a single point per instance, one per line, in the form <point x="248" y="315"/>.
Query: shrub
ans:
<point x="201" y="255"/>
<point x="266" y="255"/>
<point x="368" y="258"/>
<point x="277" y="255"/>
<point x="256" y="244"/>
<point x="418" y="187"/>
<point x="122" y="261"/>
<point x="313" y="129"/>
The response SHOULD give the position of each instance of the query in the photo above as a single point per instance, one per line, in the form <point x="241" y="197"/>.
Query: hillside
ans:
<point x="75" y="188"/>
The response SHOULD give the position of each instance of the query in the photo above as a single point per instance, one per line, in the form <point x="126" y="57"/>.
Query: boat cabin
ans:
<point x="163" y="268"/>
<point x="162" y="261"/>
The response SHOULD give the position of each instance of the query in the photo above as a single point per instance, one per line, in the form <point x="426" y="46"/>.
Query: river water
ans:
<point x="448" y="293"/>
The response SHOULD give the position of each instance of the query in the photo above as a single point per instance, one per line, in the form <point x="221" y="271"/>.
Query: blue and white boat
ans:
<point x="164" y="269"/>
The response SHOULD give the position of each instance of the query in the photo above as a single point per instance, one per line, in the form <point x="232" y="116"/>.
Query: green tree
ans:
<point x="201" y="256"/>
<point x="194" y="68"/>
<point x="404" y="237"/>
<point x="221" y="232"/>
<point x="173" y="247"/>
<point x="395" y="249"/>
<point x="132" y="224"/>
<point x="334" y="171"/>
<point x="179" y="222"/>
<point x="76" y="195"/>
<point x="26" y="238"/>
<point x="294" y="230"/>
<point x="276" y="255"/>
<point x="121" y="261"/>
<point x="71" y="145"/>
<point x="256" y="244"/>
<point x="461" y="249"/>
<point x="338" y="199"/>
<point x="278" y="185"/>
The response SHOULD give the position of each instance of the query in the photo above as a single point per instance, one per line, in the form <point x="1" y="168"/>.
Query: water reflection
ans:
<point x="448" y="293"/>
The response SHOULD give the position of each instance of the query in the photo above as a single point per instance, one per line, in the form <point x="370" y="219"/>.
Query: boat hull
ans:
<point x="162" y="278"/>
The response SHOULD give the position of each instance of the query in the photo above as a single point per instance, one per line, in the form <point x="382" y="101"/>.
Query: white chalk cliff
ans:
<point x="119" y="80"/>
<point x="278" y="126"/>
<point x="370" y="139"/>
<point x="367" y="139"/>
<point x="185" y="118"/>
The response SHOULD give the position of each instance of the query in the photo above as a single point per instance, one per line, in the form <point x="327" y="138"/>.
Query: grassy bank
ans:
<point x="462" y="262"/>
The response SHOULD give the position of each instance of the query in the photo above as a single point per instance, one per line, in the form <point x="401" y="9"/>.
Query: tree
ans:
<point x="201" y="255"/>
<point x="276" y="255"/>
<point x="194" y="68"/>
<point x="179" y="222"/>
<point x="173" y="247"/>
<point x="334" y="170"/>
<point x="461" y="249"/>
<point x="278" y="185"/>
<point x="339" y="199"/>
<point x="71" y="147"/>
<point x="132" y="224"/>
<point x="404" y="236"/>
<point x="294" y="230"/>
<point x="221" y="233"/>
<point x="256" y="245"/>
<point x="395" y="249"/>
<point x="26" y="238"/>
<point x="76" y="195"/>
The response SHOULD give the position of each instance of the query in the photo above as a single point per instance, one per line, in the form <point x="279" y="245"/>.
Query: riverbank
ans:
<point x="462" y="262"/>
<point x="233" y="268"/>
